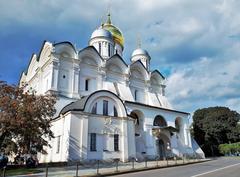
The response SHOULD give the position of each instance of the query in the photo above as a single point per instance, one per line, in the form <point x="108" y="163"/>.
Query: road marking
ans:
<point x="215" y="170"/>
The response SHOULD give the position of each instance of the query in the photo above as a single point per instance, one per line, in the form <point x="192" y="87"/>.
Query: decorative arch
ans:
<point x="118" y="103"/>
<point x="138" y="71"/>
<point x="86" y="103"/>
<point x="159" y="121"/>
<point x="89" y="61"/>
<point x="156" y="78"/>
<point x="90" y="56"/>
<point x="162" y="145"/>
<point x="140" y="142"/>
<point x="33" y="65"/>
<point x="65" y="49"/>
<point x="157" y="75"/>
<point x="118" y="63"/>
<point x="114" y="68"/>
<point x="138" y="116"/>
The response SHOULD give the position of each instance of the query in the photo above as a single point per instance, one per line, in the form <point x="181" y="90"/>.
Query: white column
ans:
<point x="185" y="133"/>
<point x="124" y="140"/>
<point x="131" y="139"/>
<point x="75" y="83"/>
<point x="84" y="138"/>
<point x="54" y="70"/>
<point x="189" y="138"/>
<point x="149" y="140"/>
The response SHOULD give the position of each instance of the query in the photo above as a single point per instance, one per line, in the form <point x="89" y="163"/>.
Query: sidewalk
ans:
<point x="111" y="169"/>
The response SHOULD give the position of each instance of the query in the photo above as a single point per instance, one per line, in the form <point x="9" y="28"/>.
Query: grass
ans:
<point x="21" y="171"/>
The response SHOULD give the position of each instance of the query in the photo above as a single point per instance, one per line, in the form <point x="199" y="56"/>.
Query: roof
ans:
<point x="81" y="103"/>
<point x="68" y="43"/>
<point x="90" y="48"/>
<point x="75" y="106"/>
<point x="118" y="57"/>
<point x="158" y="72"/>
<point x="139" y="61"/>
<point x="165" y="109"/>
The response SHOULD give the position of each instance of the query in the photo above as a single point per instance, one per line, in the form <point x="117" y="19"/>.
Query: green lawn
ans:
<point x="21" y="171"/>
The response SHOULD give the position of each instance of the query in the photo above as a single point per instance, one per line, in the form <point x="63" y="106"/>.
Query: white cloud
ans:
<point x="207" y="82"/>
<point x="197" y="41"/>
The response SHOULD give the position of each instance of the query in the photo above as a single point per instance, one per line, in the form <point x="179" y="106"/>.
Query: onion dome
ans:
<point x="101" y="33"/>
<point x="116" y="33"/>
<point x="140" y="51"/>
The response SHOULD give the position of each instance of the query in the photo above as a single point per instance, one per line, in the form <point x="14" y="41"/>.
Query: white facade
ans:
<point x="106" y="108"/>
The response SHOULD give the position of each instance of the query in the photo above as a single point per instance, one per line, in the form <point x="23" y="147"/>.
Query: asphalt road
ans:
<point x="221" y="167"/>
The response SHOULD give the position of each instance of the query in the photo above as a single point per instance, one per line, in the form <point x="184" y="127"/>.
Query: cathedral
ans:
<point x="107" y="108"/>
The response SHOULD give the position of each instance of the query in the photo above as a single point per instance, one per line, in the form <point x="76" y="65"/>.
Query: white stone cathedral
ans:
<point x="107" y="108"/>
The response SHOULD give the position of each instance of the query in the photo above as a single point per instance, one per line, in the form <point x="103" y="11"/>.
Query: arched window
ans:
<point x="135" y="116"/>
<point x="99" y="48"/>
<point x="135" y="95"/>
<point x="94" y="109"/>
<point x="86" y="84"/>
<point x="159" y="121"/>
<point x="105" y="107"/>
<point x="115" y="113"/>
<point x="109" y="50"/>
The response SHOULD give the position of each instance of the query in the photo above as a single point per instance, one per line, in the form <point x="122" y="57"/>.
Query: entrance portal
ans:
<point x="161" y="148"/>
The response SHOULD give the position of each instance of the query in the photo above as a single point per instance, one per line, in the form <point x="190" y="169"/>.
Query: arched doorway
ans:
<point x="159" y="121"/>
<point x="162" y="136"/>
<point x="138" y="116"/>
<point x="160" y="148"/>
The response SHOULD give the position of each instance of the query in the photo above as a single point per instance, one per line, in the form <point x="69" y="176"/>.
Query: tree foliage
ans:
<point x="228" y="149"/>
<point x="24" y="120"/>
<point x="214" y="126"/>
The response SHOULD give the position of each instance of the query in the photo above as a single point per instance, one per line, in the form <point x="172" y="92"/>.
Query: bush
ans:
<point x="229" y="149"/>
<point x="31" y="163"/>
<point x="3" y="161"/>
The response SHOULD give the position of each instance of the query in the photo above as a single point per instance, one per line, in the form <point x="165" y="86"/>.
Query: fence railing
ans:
<point x="97" y="167"/>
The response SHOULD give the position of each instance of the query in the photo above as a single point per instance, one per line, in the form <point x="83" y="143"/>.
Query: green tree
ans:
<point x="228" y="149"/>
<point x="25" y="120"/>
<point x="214" y="126"/>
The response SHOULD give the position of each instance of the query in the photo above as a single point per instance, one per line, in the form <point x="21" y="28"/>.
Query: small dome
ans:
<point x="140" y="52"/>
<point x="101" y="33"/>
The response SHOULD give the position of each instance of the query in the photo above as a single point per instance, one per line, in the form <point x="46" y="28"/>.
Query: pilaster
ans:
<point x="54" y="72"/>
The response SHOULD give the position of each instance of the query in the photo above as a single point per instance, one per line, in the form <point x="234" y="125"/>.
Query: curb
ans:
<point x="143" y="169"/>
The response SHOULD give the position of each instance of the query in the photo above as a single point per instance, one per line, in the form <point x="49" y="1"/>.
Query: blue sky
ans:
<point x="195" y="44"/>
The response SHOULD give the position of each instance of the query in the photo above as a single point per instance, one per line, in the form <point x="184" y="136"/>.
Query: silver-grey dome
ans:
<point x="101" y="33"/>
<point x="139" y="51"/>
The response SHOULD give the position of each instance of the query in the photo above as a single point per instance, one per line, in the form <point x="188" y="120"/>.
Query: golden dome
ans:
<point x="116" y="33"/>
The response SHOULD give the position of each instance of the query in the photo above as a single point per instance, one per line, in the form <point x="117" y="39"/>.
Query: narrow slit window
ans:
<point x="105" y="107"/>
<point x="115" y="112"/>
<point x="86" y="84"/>
<point x="93" y="141"/>
<point x="58" y="144"/>
<point x="94" y="109"/>
<point x="109" y="50"/>
<point x="135" y="95"/>
<point x="116" y="142"/>
<point x="99" y="47"/>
